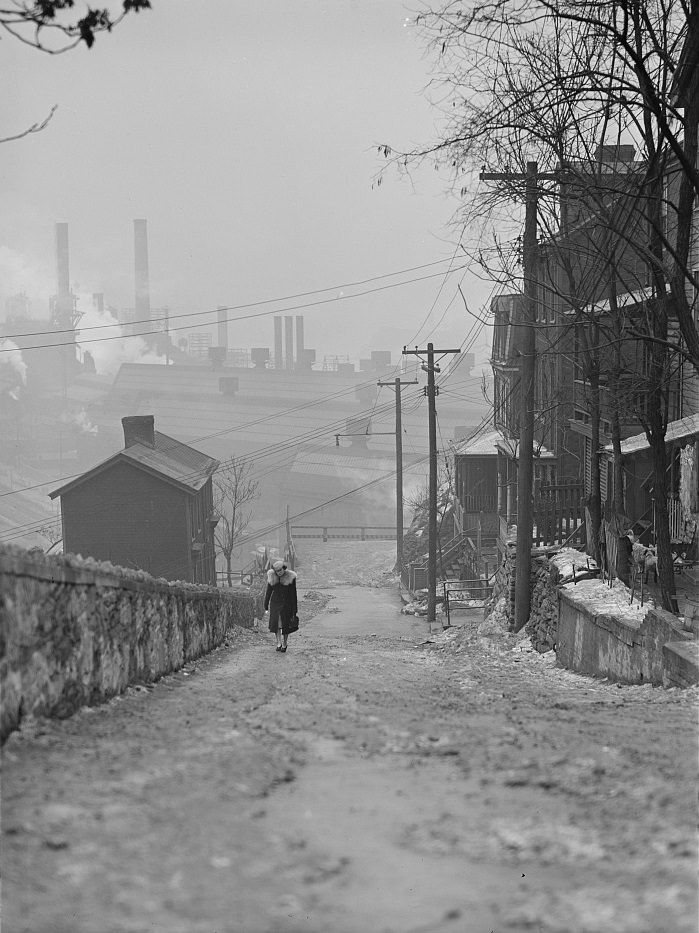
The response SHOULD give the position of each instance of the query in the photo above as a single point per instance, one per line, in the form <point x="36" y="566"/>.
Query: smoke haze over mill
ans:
<point x="228" y="204"/>
<point x="235" y="216"/>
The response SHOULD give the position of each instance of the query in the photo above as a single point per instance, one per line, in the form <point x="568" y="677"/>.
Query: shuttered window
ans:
<point x="588" y="466"/>
<point x="603" y="480"/>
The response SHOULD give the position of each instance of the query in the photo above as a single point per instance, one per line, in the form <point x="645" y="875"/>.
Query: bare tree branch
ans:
<point x="39" y="23"/>
<point x="34" y="128"/>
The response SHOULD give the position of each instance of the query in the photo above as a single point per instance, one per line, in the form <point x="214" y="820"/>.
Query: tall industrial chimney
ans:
<point x="289" y="341"/>
<point x="300" y="344"/>
<point x="222" y="326"/>
<point x="278" y="361"/>
<point x="63" y="312"/>
<point x="62" y="264"/>
<point x="142" y="301"/>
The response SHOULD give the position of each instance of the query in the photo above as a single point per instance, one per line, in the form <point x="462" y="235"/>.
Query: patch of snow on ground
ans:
<point x="605" y="600"/>
<point x="568" y="559"/>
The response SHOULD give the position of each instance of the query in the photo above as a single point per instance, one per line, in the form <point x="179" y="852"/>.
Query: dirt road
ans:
<point x="371" y="779"/>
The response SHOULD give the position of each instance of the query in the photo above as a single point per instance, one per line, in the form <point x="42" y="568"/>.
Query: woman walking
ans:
<point x="282" y="602"/>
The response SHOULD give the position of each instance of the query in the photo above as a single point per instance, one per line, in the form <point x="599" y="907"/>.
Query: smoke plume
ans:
<point x="13" y="369"/>
<point x="109" y="354"/>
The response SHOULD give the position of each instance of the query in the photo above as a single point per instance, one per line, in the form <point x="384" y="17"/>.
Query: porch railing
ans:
<point x="479" y="503"/>
<point x="559" y="516"/>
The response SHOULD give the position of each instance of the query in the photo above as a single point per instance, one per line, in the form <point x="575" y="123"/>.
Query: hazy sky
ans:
<point x="245" y="133"/>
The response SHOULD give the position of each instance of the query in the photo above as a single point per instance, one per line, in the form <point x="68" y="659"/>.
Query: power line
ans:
<point x="243" y="317"/>
<point x="237" y="427"/>
<point x="252" y="304"/>
<point x="439" y="292"/>
<point x="257" y="456"/>
<point x="28" y="528"/>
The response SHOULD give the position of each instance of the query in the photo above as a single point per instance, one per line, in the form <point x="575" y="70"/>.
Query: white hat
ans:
<point x="279" y="567"/>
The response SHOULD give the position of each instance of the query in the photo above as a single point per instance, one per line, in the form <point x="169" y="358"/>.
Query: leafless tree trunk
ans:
<point x="234" y="489"/>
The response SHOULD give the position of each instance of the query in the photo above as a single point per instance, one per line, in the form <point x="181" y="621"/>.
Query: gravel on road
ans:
<point x="374" y="777"/>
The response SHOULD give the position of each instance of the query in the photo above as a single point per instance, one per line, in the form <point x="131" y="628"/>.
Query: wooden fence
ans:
<point x="559" y="516"/>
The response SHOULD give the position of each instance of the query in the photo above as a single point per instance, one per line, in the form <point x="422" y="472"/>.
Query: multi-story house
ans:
<point x="486" y="465"/>
<point x="612" y="305"/>
<point x="596" y="294"/>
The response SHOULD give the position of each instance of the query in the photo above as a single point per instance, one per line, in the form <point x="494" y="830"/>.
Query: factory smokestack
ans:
<point x="62" y="263"/>
<point x="289" y="341"/>
<point x="142" y="301"/>
<point x="63" y="316"/>
<point x="300" y="344"/>
<point x="278" y="361"/>
<point x="222" y="326"/>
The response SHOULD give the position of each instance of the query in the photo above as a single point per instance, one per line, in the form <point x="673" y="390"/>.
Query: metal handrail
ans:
<point x="486" y="584"/>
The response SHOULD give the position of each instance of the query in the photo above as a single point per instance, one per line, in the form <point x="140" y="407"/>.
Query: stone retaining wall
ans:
<point x="542" y="626"/>
<point x="543" y="613"/>
<point x="76" y="632"/>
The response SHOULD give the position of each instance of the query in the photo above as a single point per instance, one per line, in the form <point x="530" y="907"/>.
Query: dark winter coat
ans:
<point x="281" y="600"/>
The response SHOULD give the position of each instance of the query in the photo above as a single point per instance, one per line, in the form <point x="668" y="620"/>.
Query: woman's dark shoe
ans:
<point x="279" y="648"/>
<point x="283" y="648"/>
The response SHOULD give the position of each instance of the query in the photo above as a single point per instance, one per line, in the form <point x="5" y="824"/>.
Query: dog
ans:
<point x="645" y="559"/>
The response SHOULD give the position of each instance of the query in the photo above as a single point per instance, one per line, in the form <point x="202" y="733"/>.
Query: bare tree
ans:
<point x="564" y="82"/>
<point x="234" y="490"/>
<point x="54" y="533"/>
<point x="53" y="26"/>
<point x="551" y="80"/>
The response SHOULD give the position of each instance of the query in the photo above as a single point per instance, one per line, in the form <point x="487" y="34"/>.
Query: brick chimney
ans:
<point x="620" y="153"/>
<point x="139" y="429"/>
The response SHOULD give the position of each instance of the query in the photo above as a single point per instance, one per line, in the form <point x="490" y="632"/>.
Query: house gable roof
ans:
<point x="481" y="445"/>
<point x="170" y="459"/>
<point x="685" y="428"/>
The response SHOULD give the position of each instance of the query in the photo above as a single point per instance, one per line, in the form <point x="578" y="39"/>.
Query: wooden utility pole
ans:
<point x="525" y="468"/>
<point x="430" y="367"/>
<point x="399" y="467"/>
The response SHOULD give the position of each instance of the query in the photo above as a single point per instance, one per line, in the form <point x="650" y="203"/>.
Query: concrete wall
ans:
<point x="657" y="648"/>
<point x="625" y="650"/>
<point x="75" y="631"/>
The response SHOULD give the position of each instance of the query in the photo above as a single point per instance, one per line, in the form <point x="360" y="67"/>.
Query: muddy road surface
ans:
<point x="373" y="778"/>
